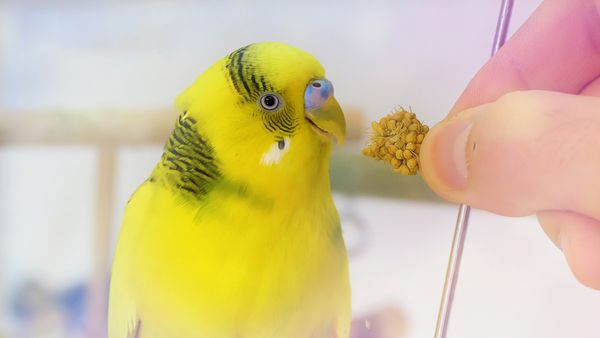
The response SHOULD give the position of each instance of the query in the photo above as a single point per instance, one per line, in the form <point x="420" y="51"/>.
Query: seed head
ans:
<point x="397" y="139"/>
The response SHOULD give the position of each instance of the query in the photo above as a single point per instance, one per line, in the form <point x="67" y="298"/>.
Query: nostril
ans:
<point x="316" y="84"/>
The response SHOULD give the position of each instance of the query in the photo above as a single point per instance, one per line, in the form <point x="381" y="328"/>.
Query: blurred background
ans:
<point x="86" y="92"/>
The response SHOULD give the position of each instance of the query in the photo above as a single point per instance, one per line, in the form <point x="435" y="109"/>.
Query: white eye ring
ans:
<point x="270" y="102"/>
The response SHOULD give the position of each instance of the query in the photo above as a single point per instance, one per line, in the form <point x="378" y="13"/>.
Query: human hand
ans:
<point x="524" y="137"/>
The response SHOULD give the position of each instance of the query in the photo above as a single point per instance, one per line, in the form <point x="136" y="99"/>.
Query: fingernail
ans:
<point x="451" y="144"/>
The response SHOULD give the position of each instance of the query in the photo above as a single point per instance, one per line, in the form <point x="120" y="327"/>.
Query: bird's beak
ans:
<point x="323" y="111"/>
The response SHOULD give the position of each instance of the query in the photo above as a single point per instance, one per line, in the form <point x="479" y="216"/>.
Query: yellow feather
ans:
<point x="260" y="255"/>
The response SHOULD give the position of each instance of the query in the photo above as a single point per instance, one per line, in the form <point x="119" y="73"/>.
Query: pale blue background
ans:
<point x="95" y="56"/>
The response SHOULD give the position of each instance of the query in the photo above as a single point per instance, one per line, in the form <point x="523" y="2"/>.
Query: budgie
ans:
<point x="235" y="233"/>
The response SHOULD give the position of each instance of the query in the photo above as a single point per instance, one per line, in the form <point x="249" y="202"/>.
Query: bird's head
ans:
<point x="269" y="113"/>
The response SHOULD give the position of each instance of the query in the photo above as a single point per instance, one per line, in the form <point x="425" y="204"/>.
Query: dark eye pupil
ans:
<point x="270" y="101"/>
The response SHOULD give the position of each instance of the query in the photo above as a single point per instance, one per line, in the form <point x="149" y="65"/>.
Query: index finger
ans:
<point x="557" y="49"/>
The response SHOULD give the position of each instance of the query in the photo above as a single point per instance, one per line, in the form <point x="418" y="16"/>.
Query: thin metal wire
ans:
<point x="502" y="25"/>
<point x="462" y="220"/>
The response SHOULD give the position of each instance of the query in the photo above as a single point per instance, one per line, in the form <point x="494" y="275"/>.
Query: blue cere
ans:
<point x="316" y="93"/>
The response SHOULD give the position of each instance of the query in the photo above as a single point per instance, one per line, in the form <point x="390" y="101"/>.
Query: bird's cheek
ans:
<point x="275" y="153"/>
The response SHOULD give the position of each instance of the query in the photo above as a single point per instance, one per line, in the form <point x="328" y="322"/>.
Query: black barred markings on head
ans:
<point x="250" y="83"/>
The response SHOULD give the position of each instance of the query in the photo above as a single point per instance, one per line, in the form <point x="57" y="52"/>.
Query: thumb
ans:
<point x="529" y="152"/>
<point x="525" y="152"/>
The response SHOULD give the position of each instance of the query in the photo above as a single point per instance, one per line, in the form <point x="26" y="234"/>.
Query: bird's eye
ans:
<point x="270" y="102"/>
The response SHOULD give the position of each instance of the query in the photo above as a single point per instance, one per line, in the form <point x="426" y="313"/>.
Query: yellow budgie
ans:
<point x="235" y="233"/>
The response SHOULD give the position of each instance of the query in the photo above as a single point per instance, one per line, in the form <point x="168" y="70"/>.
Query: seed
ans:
<point x="410" y="146"/>
<point x="411" y="137"/>
<point x="411" y="164"/>
<point x="399" y="154"/>
<point x="377" y="128"/>
<point x="413" y="127"/>
<point x="403" y="169"/>
<point x="407" y="154"/>
<point x="420" y="138"/>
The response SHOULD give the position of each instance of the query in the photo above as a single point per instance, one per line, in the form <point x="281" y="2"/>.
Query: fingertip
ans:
<point x="578" y="237"/>
<point x="445" y="154"/>
<point x="444" y="158"/>
<point x="477" y="156"/>
<point x="580" y="242"/>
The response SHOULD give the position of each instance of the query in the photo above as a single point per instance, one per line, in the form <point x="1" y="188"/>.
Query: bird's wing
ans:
<point x="137" y="330"/>
<point x="123" y="321"/>
<point x="123" y="318"/>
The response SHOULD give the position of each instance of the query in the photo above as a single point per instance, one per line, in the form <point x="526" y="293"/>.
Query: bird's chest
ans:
<point x="246" y="264"/>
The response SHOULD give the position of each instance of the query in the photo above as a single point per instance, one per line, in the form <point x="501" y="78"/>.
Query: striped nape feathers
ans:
<point x="188" y="160"/>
